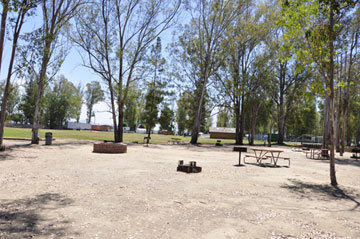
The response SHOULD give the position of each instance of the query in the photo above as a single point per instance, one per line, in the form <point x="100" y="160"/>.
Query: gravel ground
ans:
<point x="66" y="191"/>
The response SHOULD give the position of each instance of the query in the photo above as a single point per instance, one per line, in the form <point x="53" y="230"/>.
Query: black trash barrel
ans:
<point x="48" y="138"/>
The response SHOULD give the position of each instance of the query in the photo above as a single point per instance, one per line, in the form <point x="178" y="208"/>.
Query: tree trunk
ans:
<point x="345" y="109"/>
<point x="253" y="123"/>
<point x="37" y="114"/>
<point x="326" y="123"/>
<point x="337" y="120"/>
<point x="89" y="113"/>
<point x="271" y="126"/>
<point x="196" y="127"/>
<point x="3" y="116"/>
<point x="237" y="119"/>
<point x="3" y="28"/>
<point x="41" y="82"/>
<point x="281" y="122"/>
<point x="281" y="115"/>
<point x="120" y="122"/>
<point x="17" y="29"/>
<point x="331" y="86"/>
<point x="242" y="120"/>
<point x="113" y="111"/>
<point x="148" y="137"/>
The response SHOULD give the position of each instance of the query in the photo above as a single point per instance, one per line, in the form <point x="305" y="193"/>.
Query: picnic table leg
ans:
<point x="275" y="158"/>
<point x="239" y="158"/>
<point x="259" y="156"/>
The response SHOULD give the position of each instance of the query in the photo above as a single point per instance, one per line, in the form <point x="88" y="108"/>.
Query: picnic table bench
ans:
<point x="175" y="141"/>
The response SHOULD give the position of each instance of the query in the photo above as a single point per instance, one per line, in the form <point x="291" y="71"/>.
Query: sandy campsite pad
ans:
<point x="66" y="191"/>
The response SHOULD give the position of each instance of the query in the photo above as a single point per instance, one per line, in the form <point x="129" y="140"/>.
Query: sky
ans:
<point x="72" y="69"/>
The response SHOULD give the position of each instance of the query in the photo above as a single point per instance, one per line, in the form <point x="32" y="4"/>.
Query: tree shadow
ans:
<point x="22" y="218"/>
<point x="5" y="156"/>
<point x="68" y="144"/>
<point x="323" y="192"/>
<point x="17" y="146"/>
<point x="351" y="162"/>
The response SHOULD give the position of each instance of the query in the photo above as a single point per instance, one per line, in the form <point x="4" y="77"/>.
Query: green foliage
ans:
<point x="166" y="119"/>
<point x="182" y="114"/>
<point x="186" y="110"/>
<point x="223" y="119"/>
<point x="153" y="98"/>
<point x="93" y="95"/>
<point x="13" y="100"/>
<point x="303" y="119"/>
<point x="28" y="99"/>
<point x="61" y="103"/>
<point x="132" y="104"/>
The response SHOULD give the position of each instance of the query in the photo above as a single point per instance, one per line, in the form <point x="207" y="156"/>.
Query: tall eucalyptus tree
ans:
<point x="23" y="9"/>
<point x="113" y="37"/>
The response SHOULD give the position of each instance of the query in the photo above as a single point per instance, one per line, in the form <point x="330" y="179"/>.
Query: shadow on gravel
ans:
<point x="17" y="146"/>
<point x="351" y="162"/>
<point x="323" y="192"/>
<point x="5" y="156"/>
<point x="23" y="218"/>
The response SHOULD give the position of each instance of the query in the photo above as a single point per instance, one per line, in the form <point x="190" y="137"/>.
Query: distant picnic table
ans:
<point x="317" y="153"/>
<point x="175" y="141"/>
<point x="267" y="153"/>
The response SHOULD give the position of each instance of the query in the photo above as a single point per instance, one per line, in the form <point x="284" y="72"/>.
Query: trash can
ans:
<point x="48" y="138"/>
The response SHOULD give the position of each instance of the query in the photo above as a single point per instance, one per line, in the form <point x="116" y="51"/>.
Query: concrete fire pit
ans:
<point x="110" y="148"/>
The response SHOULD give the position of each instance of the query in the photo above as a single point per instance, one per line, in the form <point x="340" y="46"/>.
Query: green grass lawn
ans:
<point x="100" y="136"/>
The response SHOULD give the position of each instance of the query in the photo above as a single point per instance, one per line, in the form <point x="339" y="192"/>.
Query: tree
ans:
<point x="13" y="100"/>
<point x="201" y="41"/>
<point x="93" y="95"/>
<point x="153" y="98"/>
<point x="47" y="50"/>
<point x="166" y="119"/>
<point x="5" y="10"/>
<point x="304" y="118"/>
<point x="348" y="51"/>
<point x="27" y="103"/>
<point x="223" y="119"/>
<point x="78" y="102"/>
<point x="23" y="9"/>
<point x="182" y="114"/>
<point x="243" y="37"/>
<point x="317" y="21"/>
<point x="114" y="41"/>
<point x="132" y="107"/>
<point x="61" y="103"/>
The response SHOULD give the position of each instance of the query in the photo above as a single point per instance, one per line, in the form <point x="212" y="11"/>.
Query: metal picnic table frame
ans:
<point x="317" y="151"/>
<point x="261" y="154"/>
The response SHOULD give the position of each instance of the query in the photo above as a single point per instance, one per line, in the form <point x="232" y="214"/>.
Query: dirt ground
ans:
<point x="66" y="191"/>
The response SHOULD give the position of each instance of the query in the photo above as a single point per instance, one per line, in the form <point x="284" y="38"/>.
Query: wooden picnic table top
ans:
<point x="318" y="149"/>
<point x="268" y="150"/>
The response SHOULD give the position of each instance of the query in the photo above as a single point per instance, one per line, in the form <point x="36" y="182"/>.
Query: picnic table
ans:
<point x="175" y="140"/>
<point x="317" y="153"/>
<point x="267" y="153"/>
